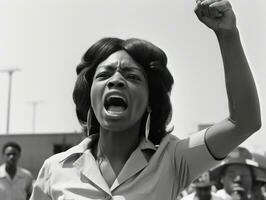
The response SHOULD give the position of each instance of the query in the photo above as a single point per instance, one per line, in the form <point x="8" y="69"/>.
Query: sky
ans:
<point x="45" y="39"/>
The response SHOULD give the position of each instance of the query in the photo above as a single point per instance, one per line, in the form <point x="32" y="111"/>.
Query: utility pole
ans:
<point x="34" y="105"/>
<point x="10" y="72"/>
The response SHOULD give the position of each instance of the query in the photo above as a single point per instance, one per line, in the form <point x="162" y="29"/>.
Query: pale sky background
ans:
<point x="46" y="39"/>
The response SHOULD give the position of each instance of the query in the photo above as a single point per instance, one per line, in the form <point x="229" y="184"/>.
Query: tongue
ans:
<point x="116" y="108"/>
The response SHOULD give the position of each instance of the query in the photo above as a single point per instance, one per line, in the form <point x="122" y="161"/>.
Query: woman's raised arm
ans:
<point x="243" y="100"/>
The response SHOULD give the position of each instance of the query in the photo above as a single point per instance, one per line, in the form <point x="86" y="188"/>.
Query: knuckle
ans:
<point x="227" y="3"/>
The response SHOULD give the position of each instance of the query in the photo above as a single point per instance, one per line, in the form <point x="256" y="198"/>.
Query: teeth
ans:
<point x="116" y="108"/>
<point x="115" y="97"/>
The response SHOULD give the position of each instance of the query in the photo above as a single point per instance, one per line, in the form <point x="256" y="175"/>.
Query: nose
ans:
<point x="237" y="179"/>
<point x="116" y="81"/>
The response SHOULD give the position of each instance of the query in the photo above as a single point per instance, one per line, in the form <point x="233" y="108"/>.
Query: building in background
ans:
<point x="36" y="148"/>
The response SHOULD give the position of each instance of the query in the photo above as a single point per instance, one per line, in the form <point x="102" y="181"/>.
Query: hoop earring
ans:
<point x="147" y="125"/>
<point x="89" y="117"/>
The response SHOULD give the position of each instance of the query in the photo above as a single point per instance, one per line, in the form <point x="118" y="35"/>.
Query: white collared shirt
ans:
<point x="16" y="188"/>
<point x="74" y="174"/>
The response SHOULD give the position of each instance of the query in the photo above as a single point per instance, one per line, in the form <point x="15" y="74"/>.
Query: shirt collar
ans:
<point x="87" y="143"/>
<point x="146" y="144"/>
<point x="80" y="148"/>
<point x="19" y="172"/>
<point x="2" y="171"/>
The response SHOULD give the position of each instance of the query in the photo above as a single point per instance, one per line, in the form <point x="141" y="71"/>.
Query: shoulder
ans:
<point x="194" y="139"/>
<point x="173" y="138"/>
<point x="2" y="166"/>
<point x="73" y="152"/>
<point x="51" y="167"/>
<point x="56" y="159"/>
<point x="173" y="143"/>
<point x="25" y="173"/>
<point x="2" y="170"/>
<point x="169" y="139"/>
<point x="168" y="144"/>
<point x="77" y="149"/>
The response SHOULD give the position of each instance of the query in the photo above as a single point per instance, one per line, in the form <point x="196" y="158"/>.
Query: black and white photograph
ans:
<point x="132" y="100"/>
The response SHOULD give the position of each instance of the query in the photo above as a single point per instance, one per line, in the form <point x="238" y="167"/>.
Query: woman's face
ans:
<point x="119" y="92"/>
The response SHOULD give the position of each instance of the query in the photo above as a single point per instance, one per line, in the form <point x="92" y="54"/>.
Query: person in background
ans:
<point x="239" y="174"/>
<point x="122" y="97"/>
<point x="15" y="182"/>
<point x="260" y="173"/>
<point x="203" y="189"/>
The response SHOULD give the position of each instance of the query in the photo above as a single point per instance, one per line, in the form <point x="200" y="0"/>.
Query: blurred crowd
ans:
<point x="240" y="176"/>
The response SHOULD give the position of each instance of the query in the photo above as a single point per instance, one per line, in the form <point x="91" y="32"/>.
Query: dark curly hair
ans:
<point x="160" y="81"/>
<point x="11" y="144"/>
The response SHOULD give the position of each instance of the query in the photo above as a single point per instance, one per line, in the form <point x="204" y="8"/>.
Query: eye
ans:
<point x="103" y="75"/>
<point x="133" y="77"/>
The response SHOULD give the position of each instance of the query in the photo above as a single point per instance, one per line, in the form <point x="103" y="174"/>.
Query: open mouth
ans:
<point x="115" y="104"/>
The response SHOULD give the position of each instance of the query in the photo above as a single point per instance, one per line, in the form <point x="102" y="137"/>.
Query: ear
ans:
<point x="19" y="155"/>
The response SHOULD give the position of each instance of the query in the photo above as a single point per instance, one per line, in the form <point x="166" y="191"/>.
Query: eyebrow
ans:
<point x="123" y="68"/>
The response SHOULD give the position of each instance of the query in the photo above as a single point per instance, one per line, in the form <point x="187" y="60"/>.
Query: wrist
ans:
<point x="227" y="33"/>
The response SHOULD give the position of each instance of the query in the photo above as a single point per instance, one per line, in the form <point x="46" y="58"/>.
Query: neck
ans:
<point x="118" y="144"/>
<point x="11" y="169"/>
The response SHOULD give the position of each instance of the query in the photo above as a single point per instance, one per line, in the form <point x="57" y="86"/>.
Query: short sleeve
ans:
<point x="41" y="186"/>
<point x="29" y="183"/>
<point x="194" y="155"/>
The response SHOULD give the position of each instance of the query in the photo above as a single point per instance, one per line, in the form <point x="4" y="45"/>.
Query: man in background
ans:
<point x="15" y="182"/>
